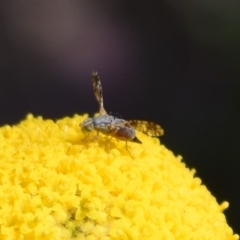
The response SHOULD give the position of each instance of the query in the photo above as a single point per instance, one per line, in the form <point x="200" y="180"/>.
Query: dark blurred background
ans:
<point x="172" y="62"/>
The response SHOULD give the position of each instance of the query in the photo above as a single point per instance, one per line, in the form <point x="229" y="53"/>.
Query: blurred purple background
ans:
<point x="175" y="63"/>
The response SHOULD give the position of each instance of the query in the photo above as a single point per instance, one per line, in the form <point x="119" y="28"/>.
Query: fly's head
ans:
<point x="87" y="125"/>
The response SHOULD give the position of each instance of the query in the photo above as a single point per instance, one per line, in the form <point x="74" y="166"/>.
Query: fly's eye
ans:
<point x="87" y="128"/>
<point x="87" y="125"/>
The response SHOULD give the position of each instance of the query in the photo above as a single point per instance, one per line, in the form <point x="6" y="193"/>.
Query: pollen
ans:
<point x="57" y="184"/>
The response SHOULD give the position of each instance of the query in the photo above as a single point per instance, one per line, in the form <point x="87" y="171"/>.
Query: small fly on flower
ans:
<point x="116" y="127"/>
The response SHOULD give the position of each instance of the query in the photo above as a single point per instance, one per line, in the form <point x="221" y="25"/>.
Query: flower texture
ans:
<point x="56" y="183"/>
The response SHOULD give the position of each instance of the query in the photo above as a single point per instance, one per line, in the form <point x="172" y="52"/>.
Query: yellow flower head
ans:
<point x="54" y="184"/>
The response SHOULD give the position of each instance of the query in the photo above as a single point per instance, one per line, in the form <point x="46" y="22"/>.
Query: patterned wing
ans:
<point x="97" y="89"/>
<point x="149" y="128"/>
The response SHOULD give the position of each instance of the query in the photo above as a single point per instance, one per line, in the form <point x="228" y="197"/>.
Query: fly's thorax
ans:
<point x="103" y="123"/>
<point x="87" y="125"/>
<point x="106" y="124"/>
<point x="103" y="120"/>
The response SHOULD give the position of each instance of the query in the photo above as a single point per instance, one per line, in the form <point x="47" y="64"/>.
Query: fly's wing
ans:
<point x="149" y="128"/>
<point x="97" y="89"/>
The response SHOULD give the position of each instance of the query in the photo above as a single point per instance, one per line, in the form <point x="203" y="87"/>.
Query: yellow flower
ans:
<point x="54" y="184"/>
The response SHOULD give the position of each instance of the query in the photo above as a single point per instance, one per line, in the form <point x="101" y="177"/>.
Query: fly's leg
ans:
<point x="89" y="139"/>
<point x="108" y="145"/>
<point x="128" y="150"/>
